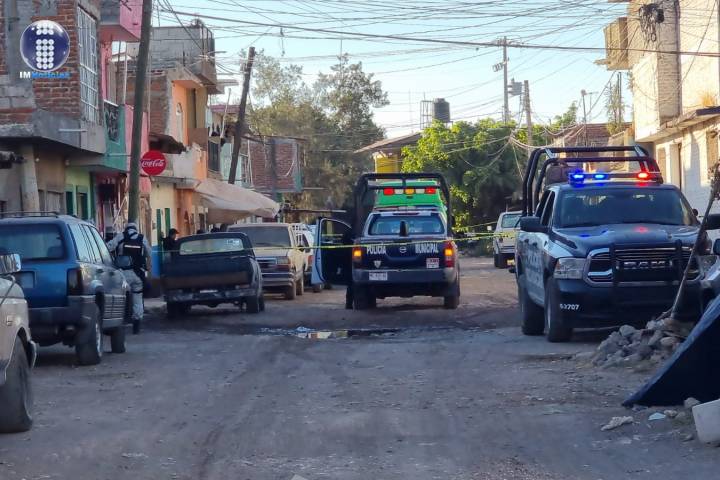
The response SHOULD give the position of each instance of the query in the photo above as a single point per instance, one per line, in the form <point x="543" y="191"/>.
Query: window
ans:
<point x="104" y="252"/>
<point x="547" y="213"/>
<point x="69" y="203"/>
<point x="180" y="125"/>
<point x="711" y="140"/>
<point x="266" y="236"/>
<point x="420" y="225"/>
<point x="83" y="250"/>
<point x="94" y="250"/>
<point x="87" y="52"/>
<point x="32" y="242"/>
<point x="82" y="205"/>
<point x="592" y="207"/>
<point x="510" y="220"/>
<point x="212" y="245"/>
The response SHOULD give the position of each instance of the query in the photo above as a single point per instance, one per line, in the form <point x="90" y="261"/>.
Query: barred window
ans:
<point x="87" y="52"/>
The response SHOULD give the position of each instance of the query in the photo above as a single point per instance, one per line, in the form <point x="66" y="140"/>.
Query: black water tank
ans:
<point x="441" y="110"/>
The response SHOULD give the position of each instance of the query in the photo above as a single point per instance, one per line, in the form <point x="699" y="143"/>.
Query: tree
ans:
<point x="334" y="115"/>
<point x="479" y="162"/>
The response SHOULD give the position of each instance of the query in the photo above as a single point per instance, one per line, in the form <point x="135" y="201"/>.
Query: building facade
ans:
<point x="675" y="86"/>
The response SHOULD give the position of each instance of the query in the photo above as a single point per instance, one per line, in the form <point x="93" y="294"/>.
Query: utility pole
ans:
<point x="528" y="117"/>
<point x="506" y="106"/>
<point x="240" y="124"/>
<point x="585" y="124"/>
<point x="138" y="108"/>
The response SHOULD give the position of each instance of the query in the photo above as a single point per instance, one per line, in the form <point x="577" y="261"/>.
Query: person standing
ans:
<point x="170" y="243"/>
<point x="131" y="243"/>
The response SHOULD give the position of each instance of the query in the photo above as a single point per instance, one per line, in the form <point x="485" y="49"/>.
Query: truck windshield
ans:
<point x="592" y="207"/>
<point x="421" y="225"/>
<point x="32" y="242"/>
<point x="510" y="220"/>
<point x="212" y="245"/>
<point x="266" y="236"/>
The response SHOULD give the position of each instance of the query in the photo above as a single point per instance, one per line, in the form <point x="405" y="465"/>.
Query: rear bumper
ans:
<point x="585" y="306"/>
<point x="278" y="280"/>
<point x="52" y="324"/>
<point x="432" y="282"/>
<point x="210" y="296"/>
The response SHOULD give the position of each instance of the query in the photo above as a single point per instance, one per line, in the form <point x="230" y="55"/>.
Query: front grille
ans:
<point x="638" y="265"/>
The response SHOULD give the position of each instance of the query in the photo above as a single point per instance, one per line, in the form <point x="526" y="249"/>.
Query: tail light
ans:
<point x="283" y="264"/>
<point x="357" y="254"/>
<point x="450" y="253"/>
<point x="74" y="281"/>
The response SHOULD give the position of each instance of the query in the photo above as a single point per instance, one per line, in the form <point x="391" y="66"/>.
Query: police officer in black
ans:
<point x="131" y="243"/>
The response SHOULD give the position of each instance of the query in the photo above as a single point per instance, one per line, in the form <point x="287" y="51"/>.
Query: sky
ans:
<point x="411" y="71"/>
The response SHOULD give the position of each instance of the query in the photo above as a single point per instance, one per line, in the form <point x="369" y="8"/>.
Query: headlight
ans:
<point x="570" y="268"/>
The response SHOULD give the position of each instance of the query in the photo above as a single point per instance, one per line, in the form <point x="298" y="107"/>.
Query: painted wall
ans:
<point x="162" y="196"/>
<point x="78" y="185"/>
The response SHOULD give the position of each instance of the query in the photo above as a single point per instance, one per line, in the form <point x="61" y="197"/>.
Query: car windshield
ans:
<point x="591" y="207"/>
<point x="267" y="236"/>
<point x="510" y="220"/>
<point x="212" y="245"/>
<point x="32" y="242"/>
<point x="420" y="225"/>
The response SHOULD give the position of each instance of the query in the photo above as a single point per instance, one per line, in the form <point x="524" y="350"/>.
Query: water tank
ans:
<point x="441" y="110"/>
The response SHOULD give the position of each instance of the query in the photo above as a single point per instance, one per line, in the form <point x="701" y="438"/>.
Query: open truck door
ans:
<point x="333" y="258"/>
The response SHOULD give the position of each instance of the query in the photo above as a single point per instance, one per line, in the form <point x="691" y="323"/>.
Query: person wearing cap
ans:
<point x="131" y="243"/>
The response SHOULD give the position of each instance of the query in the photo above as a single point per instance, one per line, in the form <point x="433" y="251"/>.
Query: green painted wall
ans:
<point x="79" y="192"/>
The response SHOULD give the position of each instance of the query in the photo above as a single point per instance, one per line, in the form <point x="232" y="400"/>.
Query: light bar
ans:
<point x="600" y="176"/>
<point x="643" y="176"/>
<point x="409" y="191"/>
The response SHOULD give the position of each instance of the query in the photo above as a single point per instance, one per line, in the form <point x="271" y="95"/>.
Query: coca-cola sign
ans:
<point x="153" y="162"/>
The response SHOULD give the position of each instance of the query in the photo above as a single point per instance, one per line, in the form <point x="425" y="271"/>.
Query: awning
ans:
<point x="228" y="203"/>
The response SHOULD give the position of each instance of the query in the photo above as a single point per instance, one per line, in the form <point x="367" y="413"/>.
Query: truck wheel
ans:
<point x="300" y="287"/>
<point x="16" y="394"/>
<point x="290" y="292"/>
<point x="262" y="303"/>
<point x="532" y="315"/>
<point x="90" y="352"/>
<point x="117" y="340"/>
<point x="317" y="288"/>
<point x="496" y="260"/>
<point x="253" y="304"/>
<point x="451" y="302"/>
<point x="554" y="325"/>
<point x="502" y="261"/>
<point x="363" y="299"/>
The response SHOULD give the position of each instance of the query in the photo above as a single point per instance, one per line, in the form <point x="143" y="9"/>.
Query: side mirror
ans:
<point x="713" y="222"/>
<point x="123" y="262"/>
<point x="10" y="264"/>
<point x="532" y="225"/>
<point x="716" y="247"/>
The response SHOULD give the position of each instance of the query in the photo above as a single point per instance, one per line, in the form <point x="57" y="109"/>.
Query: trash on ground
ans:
<point x="657" y="416"/>
<point x="707" y="421"/>
<point x="616" y="422"/>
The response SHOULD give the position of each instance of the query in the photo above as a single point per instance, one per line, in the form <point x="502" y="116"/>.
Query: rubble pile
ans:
<point x="629" y="346"/>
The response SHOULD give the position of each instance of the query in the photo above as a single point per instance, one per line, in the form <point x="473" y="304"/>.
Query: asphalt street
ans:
<point x="408" y="391"/>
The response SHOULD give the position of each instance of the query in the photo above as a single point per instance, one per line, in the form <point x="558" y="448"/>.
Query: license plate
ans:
<point x="378" y="276"/>
<point x="432" y="263"/>
<point x="208" y="291"/>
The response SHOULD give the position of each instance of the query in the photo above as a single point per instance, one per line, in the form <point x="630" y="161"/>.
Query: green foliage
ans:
<point x="482" y="167"/>
<point x="334" y="114"/>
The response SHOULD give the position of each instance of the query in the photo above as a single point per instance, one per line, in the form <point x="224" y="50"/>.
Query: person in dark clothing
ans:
<point x="170" y="243"/>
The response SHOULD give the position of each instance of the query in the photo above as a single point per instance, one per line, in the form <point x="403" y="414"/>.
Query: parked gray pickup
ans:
<point x="211" y="269"/>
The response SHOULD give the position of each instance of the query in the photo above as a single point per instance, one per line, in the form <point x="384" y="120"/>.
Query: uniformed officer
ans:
<point x="134" y="245"/>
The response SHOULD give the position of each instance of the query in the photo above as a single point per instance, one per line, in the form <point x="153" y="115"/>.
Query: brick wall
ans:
<point x="157" y="96"/>
<point x="283" y="174"/>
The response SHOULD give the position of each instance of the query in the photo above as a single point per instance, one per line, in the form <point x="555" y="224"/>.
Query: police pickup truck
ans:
<point x="392" y="251"/>
<point x="602" y="248"/>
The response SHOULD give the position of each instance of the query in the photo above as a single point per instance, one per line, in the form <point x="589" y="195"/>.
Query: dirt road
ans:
<point x="416" y="392"/>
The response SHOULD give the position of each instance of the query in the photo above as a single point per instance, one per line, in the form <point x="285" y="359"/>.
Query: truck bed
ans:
<point x="207" y="271"/>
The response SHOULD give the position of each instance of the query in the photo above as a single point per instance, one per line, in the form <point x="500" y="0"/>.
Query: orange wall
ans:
<point x="179" y="95"/>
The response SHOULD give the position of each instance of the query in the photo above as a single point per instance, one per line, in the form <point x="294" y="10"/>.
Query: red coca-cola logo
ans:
<point x="153" y="162"/>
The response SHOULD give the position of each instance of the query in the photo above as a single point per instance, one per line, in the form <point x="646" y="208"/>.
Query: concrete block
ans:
<point x="707" y="421"/>
<point x="4" y="103"/>
<point x="5" y="80"/>
<point x="22" y="102"/>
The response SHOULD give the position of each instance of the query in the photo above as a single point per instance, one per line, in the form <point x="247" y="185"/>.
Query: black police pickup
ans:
<point x="601" y="248"/>
<point x="402" y="251"/>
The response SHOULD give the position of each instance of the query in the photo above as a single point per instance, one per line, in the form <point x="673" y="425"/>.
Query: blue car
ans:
<point x="75" y="293"/>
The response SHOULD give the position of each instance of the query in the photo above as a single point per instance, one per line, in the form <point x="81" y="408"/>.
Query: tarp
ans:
<point x="692" y="371"/>
<point x="228" y="203"/>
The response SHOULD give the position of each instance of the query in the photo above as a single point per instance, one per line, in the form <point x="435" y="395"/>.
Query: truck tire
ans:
<point x="300" y="287"/>
<point x="496" y="260"/>
<point x="317" y="288"/>
<point x="290" y="292"/>
<point x="555" y="328"/>
<point x="532" y="319"/>
<point x="451" y="302"/>
<point x="502" y="261"/>
<point x="90" y="352"/>
<point x="117" y="340"/>
<point x="363" y="299"/>
<point x="253" y="304"/>
<point x="16" y="394"/>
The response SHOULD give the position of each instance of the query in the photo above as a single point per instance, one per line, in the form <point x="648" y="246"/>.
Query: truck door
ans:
<point x="535" y="246"/>
<point x="333" y="258"/>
